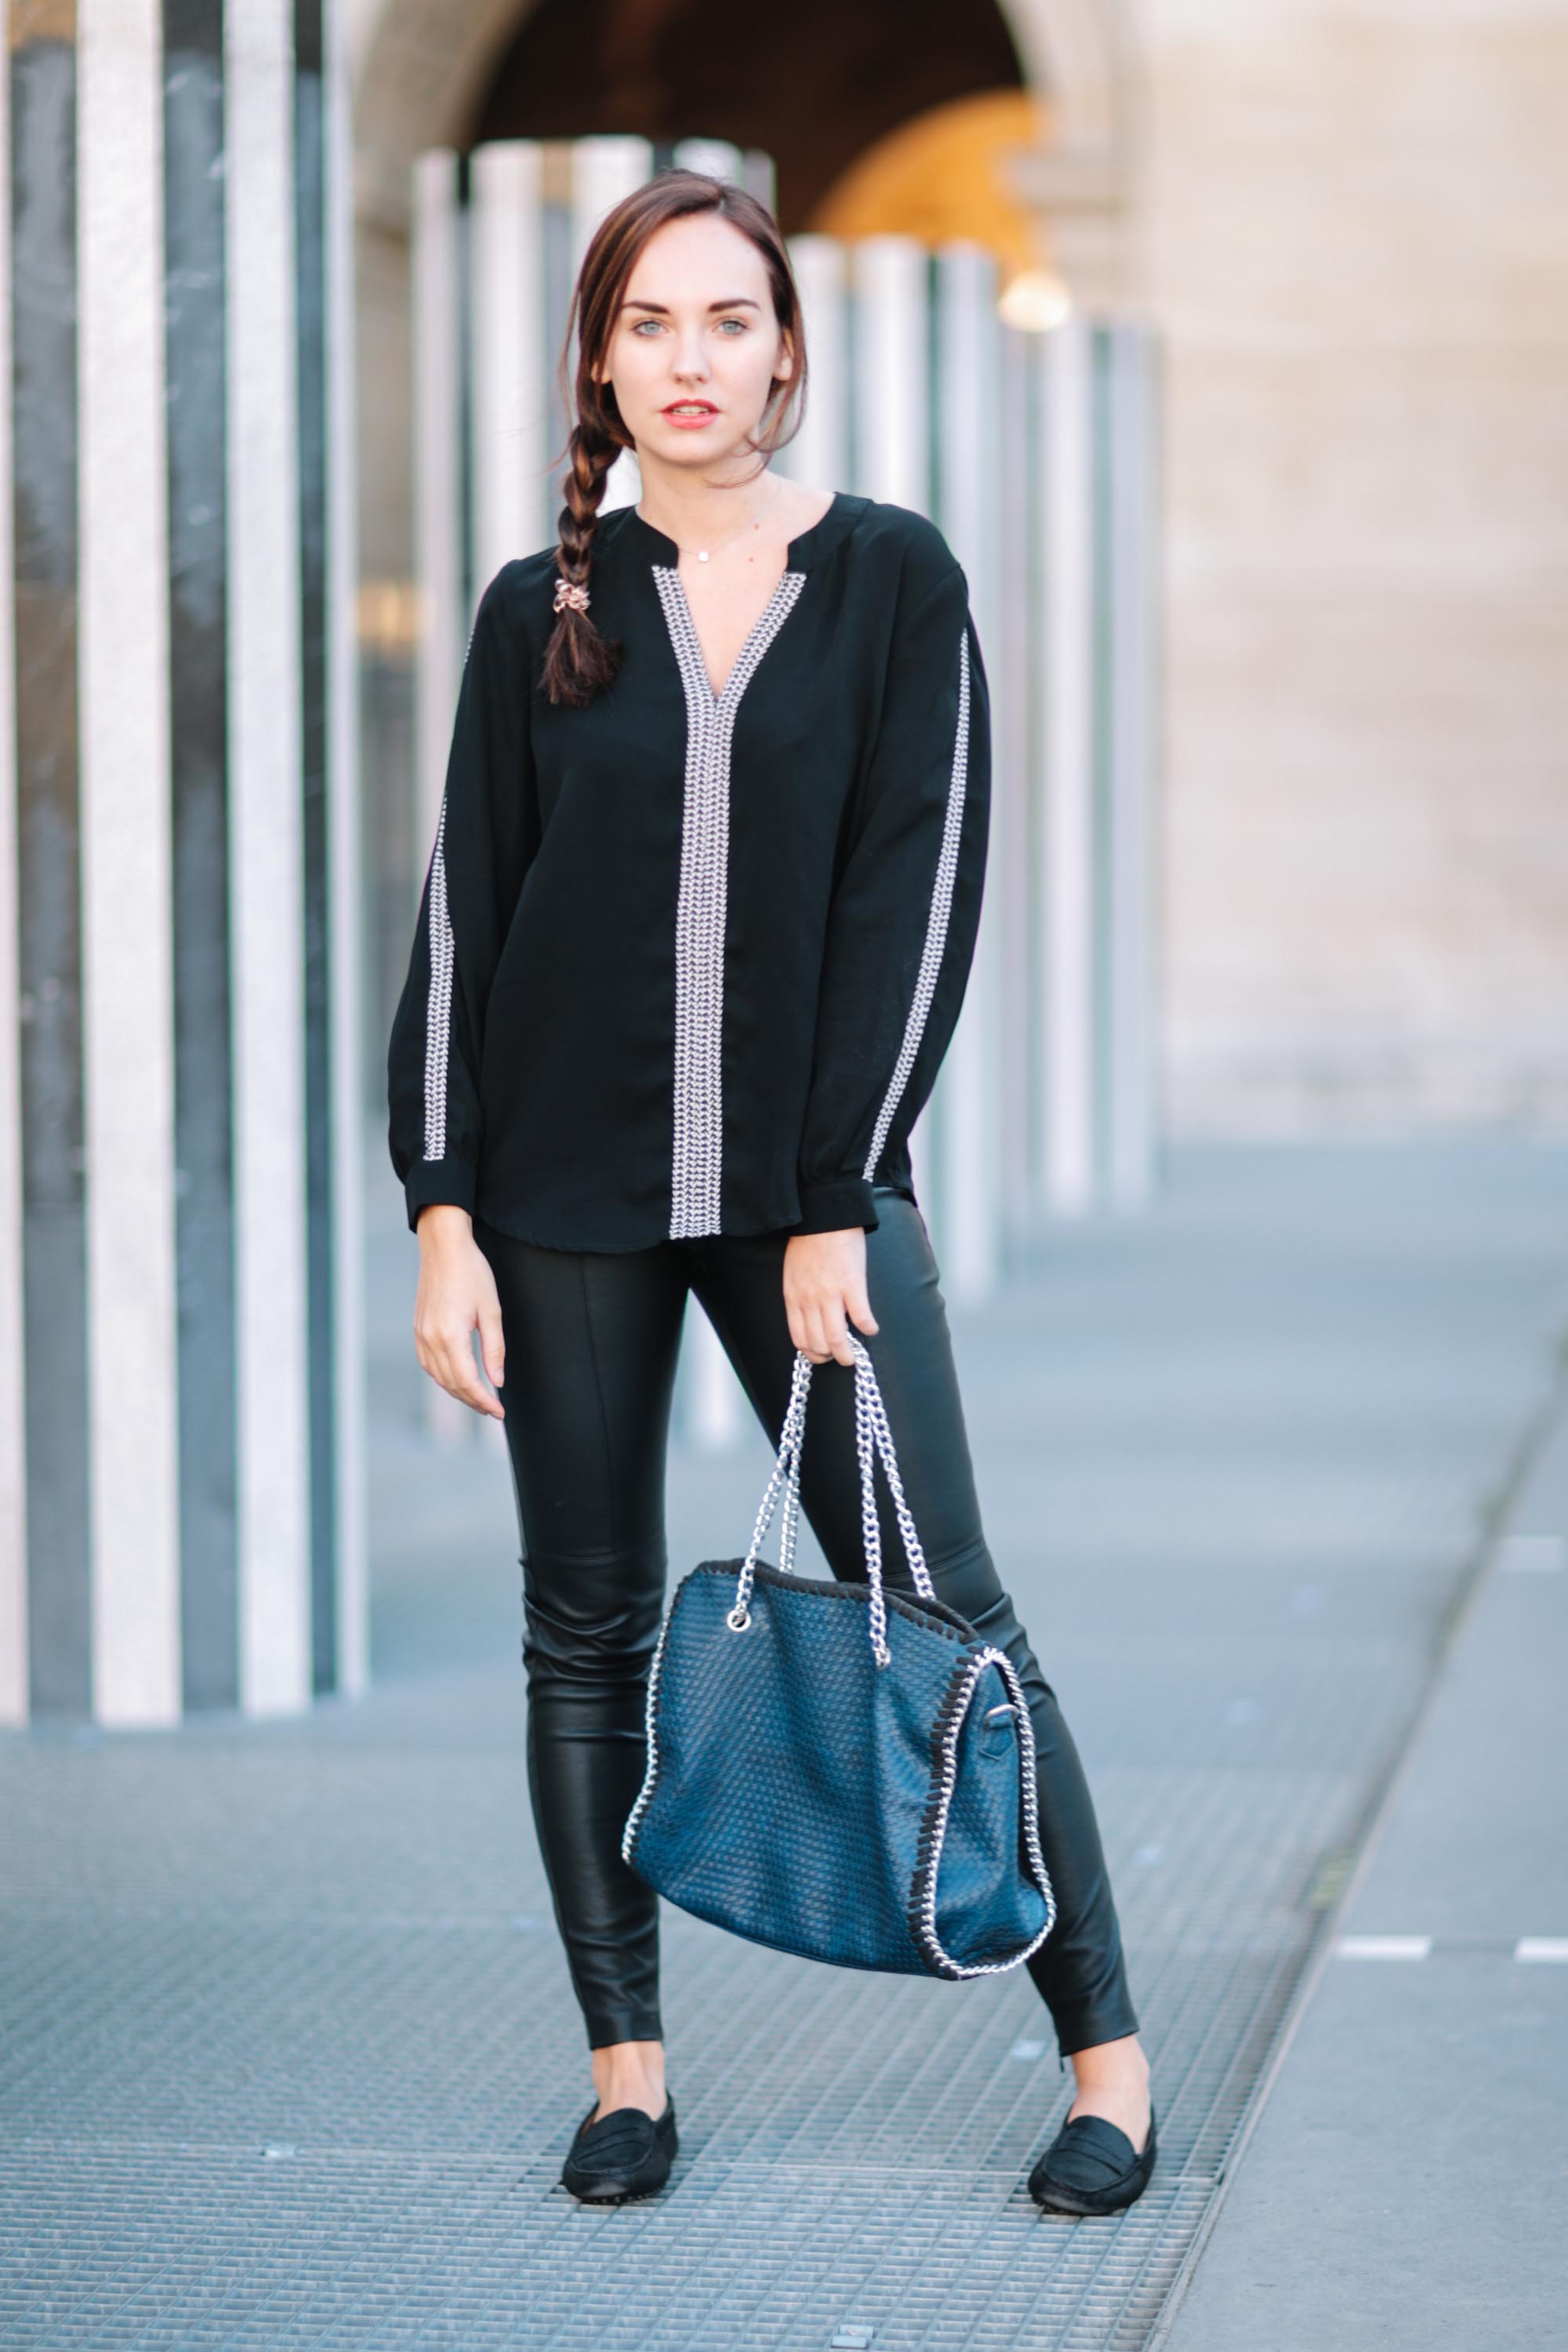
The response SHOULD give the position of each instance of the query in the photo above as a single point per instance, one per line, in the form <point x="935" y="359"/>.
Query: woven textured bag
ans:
<point x="835" y="1770"/>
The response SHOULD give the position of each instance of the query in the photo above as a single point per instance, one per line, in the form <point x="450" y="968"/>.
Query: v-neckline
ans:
<point x="799" y="554"/>
<point x="764" y="618"/>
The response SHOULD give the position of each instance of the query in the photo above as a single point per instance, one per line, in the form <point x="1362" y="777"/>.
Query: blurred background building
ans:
<point x="1341" y="223"/>
<point x="1348" y="221"/>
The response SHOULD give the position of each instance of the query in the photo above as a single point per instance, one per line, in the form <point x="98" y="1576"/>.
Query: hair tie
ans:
<point x="567" y="591"/>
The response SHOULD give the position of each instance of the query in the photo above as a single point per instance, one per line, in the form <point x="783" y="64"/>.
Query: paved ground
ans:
<point x="291" y="2057"/>
<point x="1406" y="2183"/>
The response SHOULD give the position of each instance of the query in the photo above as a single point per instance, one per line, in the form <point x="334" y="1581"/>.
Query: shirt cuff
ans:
<point x="832" y="1208"/>
<point x="429" y="1181"/>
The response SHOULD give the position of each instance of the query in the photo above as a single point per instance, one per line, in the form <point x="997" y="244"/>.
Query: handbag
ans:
<point x="836" y="1770"/>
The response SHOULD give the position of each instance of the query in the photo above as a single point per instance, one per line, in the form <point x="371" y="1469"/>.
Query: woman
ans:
<point x="693" y="938"/>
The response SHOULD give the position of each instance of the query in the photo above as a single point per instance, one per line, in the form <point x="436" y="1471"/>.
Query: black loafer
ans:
<point x="625" y="2154"/>
<point x="1092" y="2167"/>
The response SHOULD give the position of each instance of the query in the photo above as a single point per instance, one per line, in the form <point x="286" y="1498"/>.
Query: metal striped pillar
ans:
<point x="888" y="395"/>
<point x="179" y="1425"/>
<point x="967" y="1098"/>
<point x="1097" y="633"/>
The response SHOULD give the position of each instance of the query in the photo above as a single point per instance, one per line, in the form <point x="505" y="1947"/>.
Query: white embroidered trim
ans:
<point x="438" y="1001"/>
<point x="936" y="922"/>
<point x="697" y="1157"/>
<point x="438" y="1005"/>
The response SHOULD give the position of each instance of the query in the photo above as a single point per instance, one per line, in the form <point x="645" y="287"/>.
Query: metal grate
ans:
<point x="290" y="2056"/>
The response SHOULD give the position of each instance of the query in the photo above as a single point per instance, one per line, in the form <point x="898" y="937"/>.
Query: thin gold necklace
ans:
<point x="702" y="554"/>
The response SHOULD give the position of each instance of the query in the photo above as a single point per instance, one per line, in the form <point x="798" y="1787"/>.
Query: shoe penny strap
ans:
<point x="623" y="2136"/>
<point x="1088" y="2145"/>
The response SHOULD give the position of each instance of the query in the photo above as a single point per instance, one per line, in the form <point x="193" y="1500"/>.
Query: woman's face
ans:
<point x="695" y="333"/>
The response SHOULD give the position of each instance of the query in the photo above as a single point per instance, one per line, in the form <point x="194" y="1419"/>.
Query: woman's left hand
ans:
<point x="825" y="1290"/>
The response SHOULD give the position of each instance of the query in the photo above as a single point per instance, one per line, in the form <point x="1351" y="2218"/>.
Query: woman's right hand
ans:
<point x="457" y="1292"/>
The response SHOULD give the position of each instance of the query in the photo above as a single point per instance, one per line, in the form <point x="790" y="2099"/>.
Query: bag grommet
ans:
<point x="738" y="1619"/>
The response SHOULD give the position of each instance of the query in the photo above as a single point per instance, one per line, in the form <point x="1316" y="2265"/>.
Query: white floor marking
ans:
<point x="1384" y="1947"/>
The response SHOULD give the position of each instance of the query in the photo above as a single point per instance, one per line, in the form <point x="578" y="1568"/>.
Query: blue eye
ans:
<point x="638" y="324"/>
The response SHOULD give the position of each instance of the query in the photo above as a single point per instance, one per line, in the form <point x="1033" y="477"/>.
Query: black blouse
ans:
<point x="688" y="963"/>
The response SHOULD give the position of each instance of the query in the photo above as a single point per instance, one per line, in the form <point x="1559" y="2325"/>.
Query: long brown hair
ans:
<point x="577" y="660"/>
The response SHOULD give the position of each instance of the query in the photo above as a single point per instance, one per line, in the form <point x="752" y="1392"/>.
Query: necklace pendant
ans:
<point x="703" y="555"/>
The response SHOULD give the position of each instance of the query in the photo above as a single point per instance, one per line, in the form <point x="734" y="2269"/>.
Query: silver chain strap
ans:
<point x="873" y="1436"/>
<point x="739" y="1617"/>
<point x="873" y="1426"/>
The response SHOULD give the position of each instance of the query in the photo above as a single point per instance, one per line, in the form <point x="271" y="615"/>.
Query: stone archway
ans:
<point x="419" y="66"/>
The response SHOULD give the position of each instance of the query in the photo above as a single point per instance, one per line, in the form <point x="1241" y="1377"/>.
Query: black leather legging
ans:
<point x="592" y="1338"/>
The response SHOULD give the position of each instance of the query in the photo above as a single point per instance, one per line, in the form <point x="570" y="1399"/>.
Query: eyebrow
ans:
<point x="730" y="302"/>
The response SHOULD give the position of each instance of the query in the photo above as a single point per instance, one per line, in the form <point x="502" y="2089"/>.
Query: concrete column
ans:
<point x="966" y="1100"/>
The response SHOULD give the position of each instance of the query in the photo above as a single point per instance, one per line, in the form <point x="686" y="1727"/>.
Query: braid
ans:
<point x="577" y="660"/>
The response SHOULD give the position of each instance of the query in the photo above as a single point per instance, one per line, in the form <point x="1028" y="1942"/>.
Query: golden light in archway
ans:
<point x="943" y="175"/>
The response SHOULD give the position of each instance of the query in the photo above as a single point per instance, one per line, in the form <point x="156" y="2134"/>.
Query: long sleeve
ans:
<point x="905" y="911"/>
<point x="486" y="837"/>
